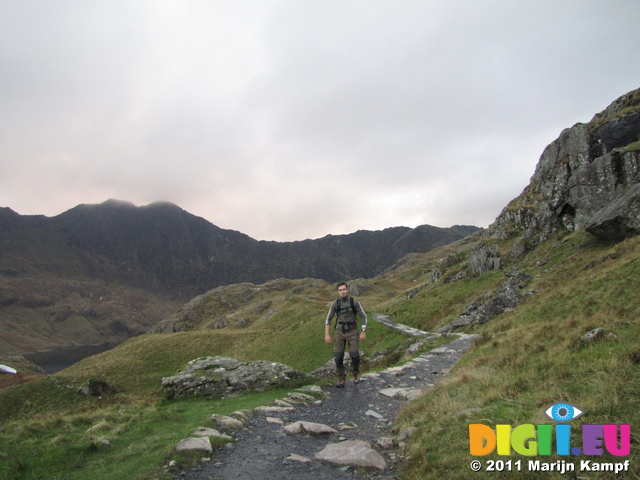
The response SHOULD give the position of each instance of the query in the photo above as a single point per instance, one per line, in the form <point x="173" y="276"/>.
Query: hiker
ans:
<point x="346" y="309"/>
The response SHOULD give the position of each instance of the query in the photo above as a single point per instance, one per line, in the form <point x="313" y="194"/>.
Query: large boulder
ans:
<point x="217" y="377"/>
<point x="619" y="219"/>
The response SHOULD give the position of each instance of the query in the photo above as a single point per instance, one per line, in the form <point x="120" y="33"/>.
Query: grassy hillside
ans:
<point x="534" y="356"/>
<point x="42" y="311"/>
<point x="527" y="359"/>
<point x="51" y="429"/>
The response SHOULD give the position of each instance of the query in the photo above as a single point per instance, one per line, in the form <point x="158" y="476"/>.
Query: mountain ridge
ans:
<point x="50" y="267"/>
<point x="162" y="247"/>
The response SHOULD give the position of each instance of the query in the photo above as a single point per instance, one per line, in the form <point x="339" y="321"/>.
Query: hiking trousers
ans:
<point x="342" y="339"/>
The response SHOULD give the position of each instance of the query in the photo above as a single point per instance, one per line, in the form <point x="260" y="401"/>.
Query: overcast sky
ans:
<point x="295" y="119"/>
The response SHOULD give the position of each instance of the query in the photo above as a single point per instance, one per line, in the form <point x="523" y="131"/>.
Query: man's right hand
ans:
<point x="327" y="338"/>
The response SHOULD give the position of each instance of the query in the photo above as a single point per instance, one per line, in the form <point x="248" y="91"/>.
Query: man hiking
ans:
<point x="346" y="309"/>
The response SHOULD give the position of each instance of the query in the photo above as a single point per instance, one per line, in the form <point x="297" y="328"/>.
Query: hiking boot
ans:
<point x="340" y="384"/>
<point x="356" y="379"/>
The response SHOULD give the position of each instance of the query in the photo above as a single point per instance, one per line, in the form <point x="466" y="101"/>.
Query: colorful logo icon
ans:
<point x="563" y="412"/>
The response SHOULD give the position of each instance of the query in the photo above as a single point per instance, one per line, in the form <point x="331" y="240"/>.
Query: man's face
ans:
<point x="343" y="291"/>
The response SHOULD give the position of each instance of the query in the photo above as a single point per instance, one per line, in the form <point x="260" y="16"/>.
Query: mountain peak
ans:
<point x="113" y="202"/>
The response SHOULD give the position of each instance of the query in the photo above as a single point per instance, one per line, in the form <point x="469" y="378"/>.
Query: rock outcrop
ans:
<point x="587" y="178"/>
<point x="216" y="377"/>
<point x="507" y="298"/>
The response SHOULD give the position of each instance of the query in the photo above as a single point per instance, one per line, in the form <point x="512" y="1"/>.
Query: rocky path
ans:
<point x="354" y="426"/>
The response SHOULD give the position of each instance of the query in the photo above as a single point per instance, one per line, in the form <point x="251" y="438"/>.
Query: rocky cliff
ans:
<point x="586" y="179"/>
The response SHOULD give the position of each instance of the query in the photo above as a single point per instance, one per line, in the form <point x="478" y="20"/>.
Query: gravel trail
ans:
<point x="262" y="449"/>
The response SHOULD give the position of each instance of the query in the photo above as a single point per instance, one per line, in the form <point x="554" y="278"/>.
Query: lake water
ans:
<point x="55" y="360"/>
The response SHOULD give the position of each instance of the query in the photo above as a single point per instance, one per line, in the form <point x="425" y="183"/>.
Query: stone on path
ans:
<point x="300" y="397"/>
<point x="371" y="413"/>
<point x="389" y="392"/>
<point x="267" y="409"/>
<point x="195" y="443"/>
<point x="308" y="427"/>
<point x="346" y="426"/>
<point x="227" y="421"/>
<point x="312" y="389"/>
<point x="443" y="351"/>
<point x="240" y="415"/>
<point x="356" y="453"/>
<point x="298" y="458"/>
<point x="402" y="393"/>
<point x="396" y="371"/>
<point x="210" y="432"/>
<point x="385" y="442"/>
<point x="410" y="394"/>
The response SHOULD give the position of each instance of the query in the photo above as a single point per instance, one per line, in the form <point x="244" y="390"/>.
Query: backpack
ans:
<point x="339" y="308"/>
